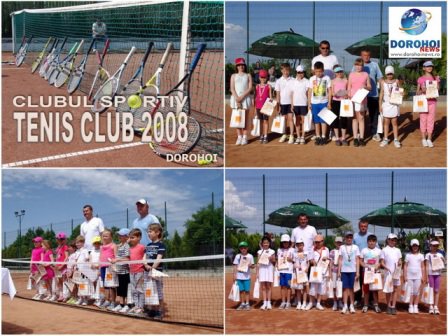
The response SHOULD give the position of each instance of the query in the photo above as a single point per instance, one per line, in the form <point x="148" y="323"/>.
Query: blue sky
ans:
<point x="57" y="195"/>
<point x="352" y="193"/>
<point x="341" y="23"/>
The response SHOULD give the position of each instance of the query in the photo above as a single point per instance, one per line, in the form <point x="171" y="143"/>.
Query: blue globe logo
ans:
<point x="414" y="21"/>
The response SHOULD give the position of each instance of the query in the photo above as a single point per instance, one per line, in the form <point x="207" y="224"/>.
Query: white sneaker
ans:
<point x="53" y="298"/>
<point x="431" y="309"/>
<point x="430" y="144"/>
<point x="111" y="306"/>
<point x="98" y="303"/>
<point x="344" y="310"/>
<point x="302" y="141"/>
<point x="376" y="137"/>
<point x="352" y="309"/>
<point x="384" y="143"/>
<point x="319" y="306"/>
<point x="309" y="306"/>
<point x="132" y="310"/>
<point x="84" y="302"/>
<point x="269" y="307"/>
<point x="291" y="139"/>
<point x="36" y="297"/>
<point x="335" y="306"/>
<point x="299" y="307"/>
<point x="282" y="306"/>
<point x="333" y="138"/>
<point x="424" y="143"/>
<point x="238" y="141"/>
<point x="411" y="309"/>
<point x="416" y="309"/>
<point x="104" y="304"/>
<point x="79" y="301"/>
<point x="436" y="310"/>
<point x="303" y="307"/>
<point x="244" y="141"/>
<point x="117" y="308"/>
<point x="124" y="310"/>
<point x="397" y="143"/>
<point x="287" y="305"/>
<point x="297" y="142"/>
<point x="313" y="137"/>
<point x="283" y="138"/>
<point x="264" y="306"/>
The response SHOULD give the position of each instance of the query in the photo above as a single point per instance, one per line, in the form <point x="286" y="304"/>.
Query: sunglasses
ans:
<point x="324" y="48"/>
<point x="318" y="241"/>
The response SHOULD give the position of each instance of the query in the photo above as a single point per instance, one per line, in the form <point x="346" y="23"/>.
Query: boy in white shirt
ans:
<point x="282" y="89"/>
<point x="242" y="264"/>
<point x="299" y="97"/>
<point x="370" y="261"/>
<point x="390" y="260"/>
<point x="348" y="271"/>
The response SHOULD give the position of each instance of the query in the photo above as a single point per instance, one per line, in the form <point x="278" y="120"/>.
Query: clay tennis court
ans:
<point x="292" y="321"/>
<point x="45" y="318"/>
<point x="411" y="154"/>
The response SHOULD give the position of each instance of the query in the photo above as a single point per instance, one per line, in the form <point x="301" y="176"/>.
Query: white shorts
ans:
<point x="390" y="111"/>
<point x="318" y="288"/>
<point x="415" y="285"/>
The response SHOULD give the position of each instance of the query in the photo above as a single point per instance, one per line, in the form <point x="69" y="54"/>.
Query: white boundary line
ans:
<point x="71" y="155"/>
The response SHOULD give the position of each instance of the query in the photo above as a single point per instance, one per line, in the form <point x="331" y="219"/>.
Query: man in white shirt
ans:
<point x="305" y="232"/>
<point x="142" y="223"/>
<point x="91" y="227"/>
<point x="99" y="30"/>
<point x="328" y="60"/>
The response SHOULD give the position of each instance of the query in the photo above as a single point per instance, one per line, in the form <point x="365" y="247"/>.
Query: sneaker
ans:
<point x="397" y="143"/>
<point x="60" y="298"/>
<point x="309" y="306"/>
<point x="436" y="310"/>
<point x="376" y="138"/>
<point x="338" y="143"/>
<point x="384" y="143"/>
<point x="431" y="309"/>
<point x="124" y="309"/>
<point x="424" y="143"/>
<point x="265" y="140"/>
<point x="84" y="302"/>
<point x="244" y="142"/>
<point x="264" y="306"/>
<point x="389" y="311"/>
<point x="269" y="306"/>
<point x="70" y="301"/>
<point x="139" y="312"/>
<point x="238" y="141"/>
<point x="36" y="297"/>
<point x="411" y="309"/>
<point x="416" y="309"/>
<point x="356" y="142"/>
<point x="287" y="305"/>
<point x="333" y="138"/>
<point x="303" y="307"/>
<point x="283" y="138"/>
<point x="344" y="142"/>
<point x="241" y="306"/>
<point x="132" y="310"/>
<point x="362" y="142"/>
<point x="430" y="144"/>
<point x="377" y="308"/>
<point x="302" y="140"/>
<point x="352" y="309"/>
<point x="79" y="301"/>
<point x="117" y="308"/>
<point x="247" y="306"/>
<point x="105" y="305"/>
<point x="111" y="306"/>
<point x="365" y="309"/>
<point x="319" y="306"/>
<point x="341" y="305"/>
<point x="291" y="139"/>
<point x="261" y="139"/>
<point x="158" y="315"/>
<point x="313" y="137"/>
<point x="299" y="307"/>
<point x="335" y="306"/>
<point x="297" y="142"/>
<point x="344" y="310"/>
<point x="394" y="311"/>
<point x="53" y="298"/>
<point x="99" y="303"/>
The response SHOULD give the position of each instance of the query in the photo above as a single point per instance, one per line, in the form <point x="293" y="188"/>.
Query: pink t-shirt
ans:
<point x="60" y="254"/>
<point x="358" y="80"/>
<point x="338" y="85"/>
<point x="49" y="269"/>
<point x="136" y="253"/>
<point x="422" y="81"/>
<point x="262" y="94"/>
<point x="107" y="252"/>
<point x="36" y="255"/>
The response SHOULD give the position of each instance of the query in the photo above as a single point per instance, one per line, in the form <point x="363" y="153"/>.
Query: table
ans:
<point x="7" y="283"/>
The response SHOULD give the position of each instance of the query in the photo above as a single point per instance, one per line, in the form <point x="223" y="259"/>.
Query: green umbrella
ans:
<point x="233" y="223"/>
<point x="374" y="45"/>
<point x="407" y="215"/>
<point x="285" y="45"/>
<point x="318" y="216"/>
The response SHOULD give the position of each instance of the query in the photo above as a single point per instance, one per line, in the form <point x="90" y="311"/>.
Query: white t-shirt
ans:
<point x="299" y="89"/>
<point x="283" y="85"/>
<point x="301" y="260"/>
<point x="429" y="257"/>
<point x="90" y="229"/>
<point x="329" y="62"/>
<point x="391" y="256"/>
<point x="349" y="255"/>
<point x="371" y="257"/>
<point x="414" y="262"/>
<point x="320" y="87"/>
<point x="283" y="254"/>
<point x="307" y="234"/>
<point x="318" y="255"/>
<point x="236" y="261"/>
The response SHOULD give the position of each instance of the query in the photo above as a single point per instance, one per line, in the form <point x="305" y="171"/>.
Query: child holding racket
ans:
<point x="61" y="255"/>
<point x="262" y="93"/>
<point x="72" y="256"/>
<point x="265" y="271"/>
<point x="427" y="119"/>
<point x="242" y="264"/>
<point x="47" y="258"/>
<point x="240" y="87"/>
<point x="36" y="255"/>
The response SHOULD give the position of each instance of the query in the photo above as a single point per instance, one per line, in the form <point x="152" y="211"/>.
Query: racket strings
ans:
<point x="107" y="90"/>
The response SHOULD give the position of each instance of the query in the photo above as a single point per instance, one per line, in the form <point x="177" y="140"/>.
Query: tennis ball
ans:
<point x="134" y="101"/>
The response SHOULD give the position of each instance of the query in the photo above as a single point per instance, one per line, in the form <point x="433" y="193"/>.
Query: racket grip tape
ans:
<point x="197" y="56"/>
<point x="131" y="52"/>
<point x="165" y="55"/>
<point x="148" y="51"/>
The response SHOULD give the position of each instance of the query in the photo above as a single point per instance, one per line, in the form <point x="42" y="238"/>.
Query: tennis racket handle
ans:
<point x="91" y="46"/>
<point x="129" y="55"/>
<point x="63" y="43"/>
<point x="106" y="48"/>
<point x="148" y="50"/>
<point x="165" y="55"/>
<point x="197" y="56"/>
<point x="79" y="46"/>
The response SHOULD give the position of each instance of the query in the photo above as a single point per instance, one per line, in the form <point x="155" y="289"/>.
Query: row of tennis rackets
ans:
<point x="172" y="132"/>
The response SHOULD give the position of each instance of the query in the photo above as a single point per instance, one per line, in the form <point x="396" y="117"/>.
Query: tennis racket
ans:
<point x="54" y="61"/>
<point x="101" y="74"/>
<point x="166" y="141"/>
<point x="46" y="63"/>
<point x="78" y="73"/>
<point x="66" y="69"/>
<point x="20" y="57"/>
<point x="58" y="68"/>
<point x="39" y="58"/>
<point x="110" y="87"/>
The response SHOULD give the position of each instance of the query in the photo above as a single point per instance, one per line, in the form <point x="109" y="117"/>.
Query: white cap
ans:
<point x="285" y="238"/>
<point x="300" y="68"/>
<point x="392" y="236"/>
<point x="389" y="70"/>
<point x="300" y="241"/>
<point x="142" y="201"/>
<point x="435" y="242"/>
<point x="338" y="239"/>
<point x="415" y="242"/>
<point x="428" y="64"/>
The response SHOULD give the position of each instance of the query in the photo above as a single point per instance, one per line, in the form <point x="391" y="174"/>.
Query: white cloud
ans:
<point x="235" y="41"/>
<point x="235" y="206"/>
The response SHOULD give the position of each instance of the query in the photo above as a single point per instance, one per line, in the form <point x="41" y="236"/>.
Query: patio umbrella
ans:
<point x="407" y="215"/>
<point x="318" y="216"/>
<point x="285" y="45"/>
<point x="233" y="223"/>
<point x="374" y="45"/>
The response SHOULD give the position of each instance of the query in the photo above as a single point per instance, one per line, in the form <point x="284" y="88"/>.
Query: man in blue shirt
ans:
<point x="144" y="220"/>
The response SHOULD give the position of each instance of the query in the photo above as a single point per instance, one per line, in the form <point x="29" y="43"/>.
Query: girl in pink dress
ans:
<point x="61" y="255"/>
<point x="36" y="255"/>
<point x="108" y="251"/>
<point x="47" y="258"/>
<point x="358" y="80"/>
<point x="262" y="93"/>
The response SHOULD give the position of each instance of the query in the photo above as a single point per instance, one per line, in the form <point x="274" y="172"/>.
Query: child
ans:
<point x="47" y="256"/>
<point x="339" y="92"/>
<point x="348" y="271"/>
<point x="320" y="258"/>
<point x="262" y="93"/>
<point x="434" y="277"/>
<point x="389" y="111"/>
<point x="414" y="272"/>
<point x="285" y="267"/>
<point x="390" y="259"/>
<point x="427" y="119"/>
<point x="370" y="260"/>
<point x="155" y="251"/>
<point x="319" y="97"/>
<point x="108" y="251"/>
<point x="94" y="259"/>
<point x="242" y="264"/>
<point x="334" y="262"/>
<point x="82" y="257"/>
<point x="358" y="80"/>
<point x="240" y="87"/>
<point x="122" y="270"/>
<point x="265" y="271"/>
<point x="299" y="99"/>
<point x="61" y="255"/>
<point x="282" y="89"/>
<point x="301" y="264"/>
<point x="72" y="256"/>
<point x="36" y="255"/>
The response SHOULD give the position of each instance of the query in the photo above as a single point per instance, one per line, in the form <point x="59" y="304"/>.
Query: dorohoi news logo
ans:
<point x="415" y="32"/>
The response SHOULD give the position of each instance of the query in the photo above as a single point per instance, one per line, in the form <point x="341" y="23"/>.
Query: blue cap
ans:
<point x="124" y="232"/>
<point x="428" y="63"/>
<point x="338" y="69"/>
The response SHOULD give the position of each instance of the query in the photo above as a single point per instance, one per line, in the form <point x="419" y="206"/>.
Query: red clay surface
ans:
<point x="412" y="154"/>
<point x="292" y="321"/>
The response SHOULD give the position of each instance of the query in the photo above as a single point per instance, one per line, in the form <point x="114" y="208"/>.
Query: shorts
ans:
<point x="301" y="110"/>
<point x="415" y="285"/>
<point x="348" y="280"/>
<point x="315" y="109"/>
<point x="434" y="282"/>
<point x="285" y="109"/>
<point x="262" y="116"/>
<point x="244" y="285"/>
<point x="123" y="282"/>
<point x="285" y="280"/>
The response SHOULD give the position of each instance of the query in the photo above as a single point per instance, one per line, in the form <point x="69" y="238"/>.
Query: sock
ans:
<point x="244" y="136"/>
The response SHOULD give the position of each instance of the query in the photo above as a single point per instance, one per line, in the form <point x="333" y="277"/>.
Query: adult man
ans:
<point x="91" y="227"/>
<point x="142" y="223"/>
<point x="328" y="60"/>
<point x="99" y="31"/>
<point x="304" y="231"/>
<point x="375" y="75"/>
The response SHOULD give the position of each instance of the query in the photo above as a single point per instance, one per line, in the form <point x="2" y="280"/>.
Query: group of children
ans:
<point x="338" y="273"/>
<point x="298" y="99"/>
<point x="106" y="276"/>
